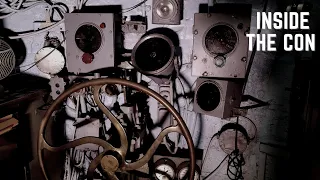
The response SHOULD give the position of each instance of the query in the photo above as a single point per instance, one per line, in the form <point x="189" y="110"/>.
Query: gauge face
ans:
<point x="153" y="54"/>
<point x="220" y="40"/>
<point x="88" y="38"/>
<point x="183" y="174"/>
<point x="165" y="9"/>
<point x="49" y="60"/>
<point x="165" y="169"/>
<point x="208" y="96"/>
<point x="183" y="171"/>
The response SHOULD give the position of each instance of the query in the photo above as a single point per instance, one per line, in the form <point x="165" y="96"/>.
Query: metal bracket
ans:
<point x="134" y="27"/>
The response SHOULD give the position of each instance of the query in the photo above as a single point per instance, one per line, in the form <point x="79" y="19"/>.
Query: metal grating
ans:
<point x="7" y="59"/>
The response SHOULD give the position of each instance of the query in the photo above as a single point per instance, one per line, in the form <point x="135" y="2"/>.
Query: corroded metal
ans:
<point x="123" y="166"/>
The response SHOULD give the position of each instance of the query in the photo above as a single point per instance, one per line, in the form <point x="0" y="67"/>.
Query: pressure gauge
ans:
<point x="164" y="169"/>
<point x="183" y="171"/>
<point x="49" y="60"/>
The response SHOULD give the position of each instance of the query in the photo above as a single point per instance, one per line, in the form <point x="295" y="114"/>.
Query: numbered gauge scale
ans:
<point x="175" y="166"/>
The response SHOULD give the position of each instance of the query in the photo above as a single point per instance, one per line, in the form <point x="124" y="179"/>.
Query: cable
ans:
<point x="255" y="127"/>
<point x="134" y="7"/>
<point x="35" y="63"/>
<point x="17" y="6"/>
<point x="235" y="163"/>
<point x="205" y="154"/>
<point x="215" y="168"/>
<point x="235" y="159"/>
<point x="37" y="32"/>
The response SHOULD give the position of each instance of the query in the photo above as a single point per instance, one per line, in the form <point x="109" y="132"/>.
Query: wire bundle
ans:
<point x="125" y="10"/>
<point x="8" y="8"/>
<point x="235" y="163"/>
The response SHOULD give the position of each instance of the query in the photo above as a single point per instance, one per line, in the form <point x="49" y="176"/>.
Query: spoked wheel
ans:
<point x="113" y="159"/>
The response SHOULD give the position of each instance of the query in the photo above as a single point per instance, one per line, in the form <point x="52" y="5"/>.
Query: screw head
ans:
<point x="204" y="60"/>
<point x="205" y="73"/>
<point x="195" y="57"/>
<point x="244" y="59"/>
<point x="195" y="32"/>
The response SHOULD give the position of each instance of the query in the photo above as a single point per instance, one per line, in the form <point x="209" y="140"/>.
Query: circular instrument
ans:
<point x="164" y="169"/>
<point x="183" y="169"/>
<point x="7" y="59"/>
<point x="154" y="54"/>
<point x="49" y="60"/>
<point x="166" y="9"/>
<point x="112" y="159"/>
<point x="88" y="38"/>
<point x="220" y="40"/>
<point x="208" y="96"/>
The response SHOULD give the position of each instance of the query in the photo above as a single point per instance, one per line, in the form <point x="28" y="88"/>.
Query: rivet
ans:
<point x="195" y="57"/>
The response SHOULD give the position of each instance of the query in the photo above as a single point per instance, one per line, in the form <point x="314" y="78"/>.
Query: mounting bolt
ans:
<point x="244" y="59"/>
<point x="195" y="57"/>
<point x="205" y="73"/>
<point x="195" y="32"/>
<point x="204" y="60"/>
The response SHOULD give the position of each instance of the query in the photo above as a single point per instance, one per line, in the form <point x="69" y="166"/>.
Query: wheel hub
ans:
<point x="109" y="163"/>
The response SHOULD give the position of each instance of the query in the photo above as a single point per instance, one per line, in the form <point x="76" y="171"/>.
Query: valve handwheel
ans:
<point x="113" y="159"/>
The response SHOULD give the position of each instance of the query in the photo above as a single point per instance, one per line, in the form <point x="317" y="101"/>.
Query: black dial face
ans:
<point x="153" y="54"/>
<point x="220" y="40"/>
<point x="208" y="97"/>
<point x="88" y="38"/>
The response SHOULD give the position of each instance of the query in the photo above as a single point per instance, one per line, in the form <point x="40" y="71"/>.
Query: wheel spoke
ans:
<point x="94" y="164"/>
<point x="78" y="142"/>
<point x="151" y="150"/>
<point x="114" y="120"/>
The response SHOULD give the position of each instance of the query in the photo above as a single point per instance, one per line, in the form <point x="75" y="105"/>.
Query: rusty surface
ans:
<point x="97" y="84"/>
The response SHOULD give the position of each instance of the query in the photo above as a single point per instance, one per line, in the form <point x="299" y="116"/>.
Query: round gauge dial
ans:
<point x="183" y="171"/>
<point x="165" y="169"/>
<point x="153" y="54"/>
<point x="220" y="40"/>
<point x="49" y="60"/>
<point x="166" y="9"/>
<point x="88" y="38"/>
<point x="208" y="96"/>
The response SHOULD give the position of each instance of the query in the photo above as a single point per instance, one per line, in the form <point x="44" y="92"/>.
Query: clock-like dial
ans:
<point x="165" y="169"/>
<point x="88" y="38"/>
<point x="183" y="171"/>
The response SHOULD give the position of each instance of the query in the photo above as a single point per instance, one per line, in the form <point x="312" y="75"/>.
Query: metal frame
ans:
<point x="113" y="163"/>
